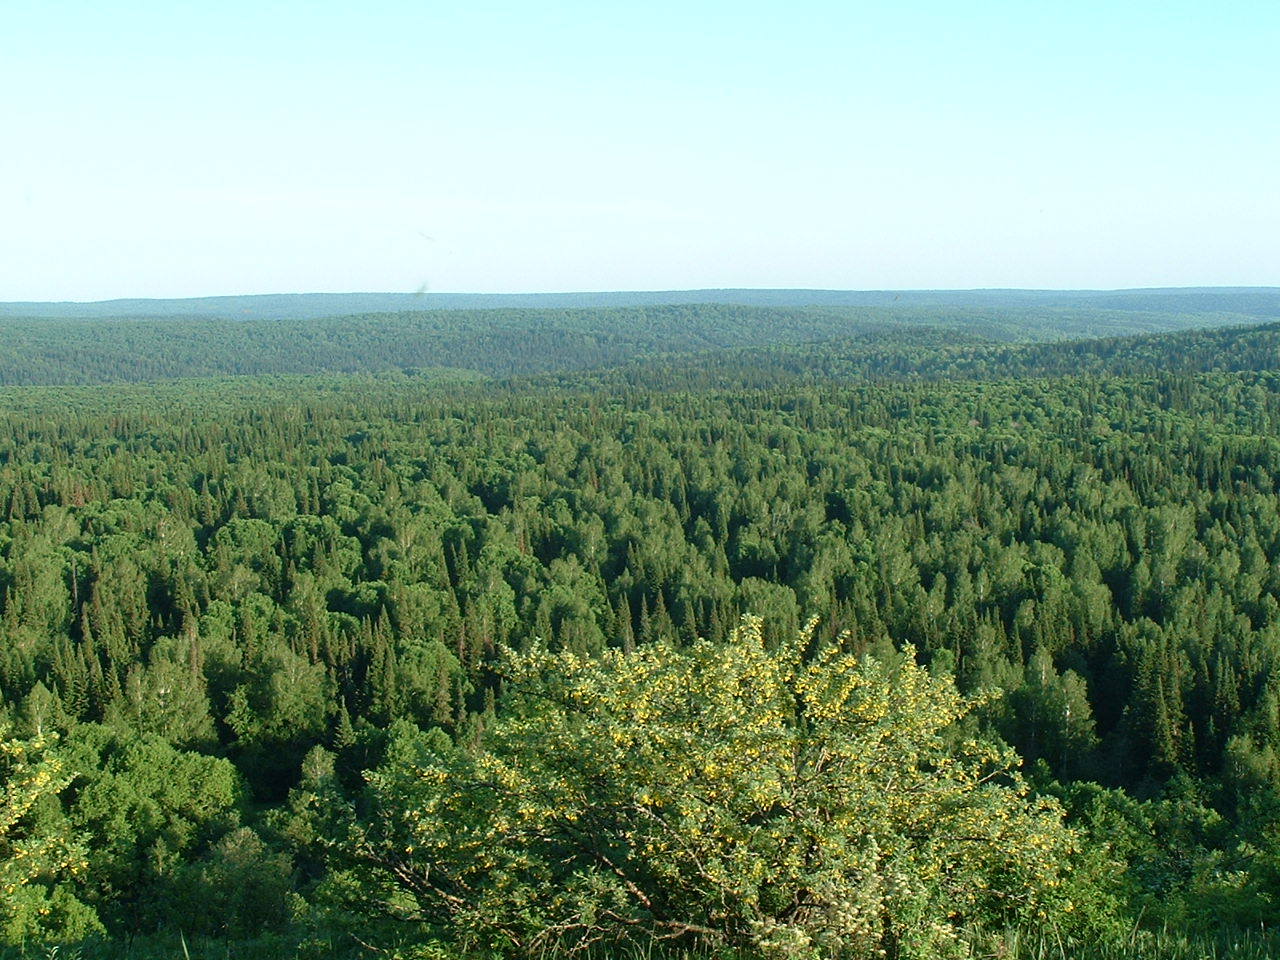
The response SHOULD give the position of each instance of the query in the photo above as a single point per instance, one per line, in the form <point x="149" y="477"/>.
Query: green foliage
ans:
<point x="239" y="888"/>
<point x="230" y="600"/>
<point x="462" y="345"/>
<point x="36" y="853"/>
<point x="725" y="793"/>
<point x="145" y="810"/>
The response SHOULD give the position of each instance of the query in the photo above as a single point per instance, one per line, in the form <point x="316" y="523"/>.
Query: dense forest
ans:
<point x="523" y="342"/>
<point x="717" y="631"/>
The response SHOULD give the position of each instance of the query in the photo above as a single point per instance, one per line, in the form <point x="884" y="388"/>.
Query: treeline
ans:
<point x="886" y="353"/>
<point x="1259" y="302"/>
<point x="505" y="343"/>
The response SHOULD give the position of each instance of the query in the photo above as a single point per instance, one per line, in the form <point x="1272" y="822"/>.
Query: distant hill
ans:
<point x="522" y="342"/>
<point x="1256" y="302"/>
<point x="889" y="352"/>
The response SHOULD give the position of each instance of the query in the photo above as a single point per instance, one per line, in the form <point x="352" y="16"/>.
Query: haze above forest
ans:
<point x="1247" y="301"/>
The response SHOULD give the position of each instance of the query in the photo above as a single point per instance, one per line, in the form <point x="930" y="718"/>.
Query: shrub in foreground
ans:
<point x="733" y="795"/>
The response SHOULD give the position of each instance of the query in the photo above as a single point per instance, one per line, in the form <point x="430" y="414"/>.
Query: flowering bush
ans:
<point x="823" y="806"/>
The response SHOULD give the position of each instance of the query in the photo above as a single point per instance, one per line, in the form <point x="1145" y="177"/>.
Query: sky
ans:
<point x="179" y="148"/>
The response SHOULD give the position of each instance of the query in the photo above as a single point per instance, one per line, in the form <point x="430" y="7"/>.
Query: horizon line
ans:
<point x="425" y="294"/>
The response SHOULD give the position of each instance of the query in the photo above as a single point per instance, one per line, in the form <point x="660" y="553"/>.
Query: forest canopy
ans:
<point x="1008" y="668"/>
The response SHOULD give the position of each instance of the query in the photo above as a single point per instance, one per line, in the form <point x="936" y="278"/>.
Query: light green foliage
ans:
<point x="145" y="809"/>
<point x="36" y="851"/>
<point x="165" y="698"/>
<point x="724" y="793"/>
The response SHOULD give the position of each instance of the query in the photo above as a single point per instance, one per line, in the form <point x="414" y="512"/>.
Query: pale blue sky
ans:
<point x="191" y="148"/>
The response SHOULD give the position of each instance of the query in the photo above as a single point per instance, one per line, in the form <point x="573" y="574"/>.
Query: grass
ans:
<point x="1251" y="944"/>
<point x="176" y="946"/>
<point x="1016" y="944"/>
